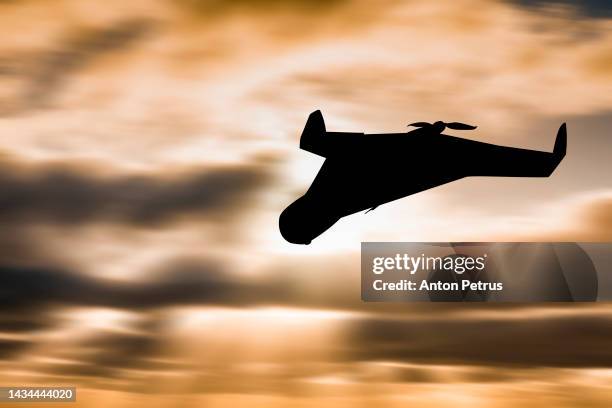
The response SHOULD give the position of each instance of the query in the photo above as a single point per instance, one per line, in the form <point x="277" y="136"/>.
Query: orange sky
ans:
<point x="148" y="148"/>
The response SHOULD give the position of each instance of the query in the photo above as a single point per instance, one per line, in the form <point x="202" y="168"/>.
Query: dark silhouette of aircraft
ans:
<point x="363" y="171"/>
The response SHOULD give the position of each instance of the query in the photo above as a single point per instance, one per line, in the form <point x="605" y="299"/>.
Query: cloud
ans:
<point x="45" y="73"/>
<point x="574" y="341"/>
<point x="55" y="194"/>
<point x="36" y="288"/>
<point x="597" y="219"/>
<point x="30" y="298"/>
<point x="115" y="351"/>
<point x="591" y="8"/>
<point x="52" y="68"/>
<point x="586" y="218"/>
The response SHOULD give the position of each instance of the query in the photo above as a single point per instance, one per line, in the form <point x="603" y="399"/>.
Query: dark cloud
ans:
<point x="65" y="196"/>
<point x="122" y="349"/>
<point x="54" y="67"/>
<point x="515" y="337"/>
<point x="304" y="284"/>
<point x="23" y="321"/>
<point x="591" y="8"/>
<point x="30" y="288"/>
<point x="18" y="245"/>
<point x="554" y="341"/>
<point x="104" y="353"/>
<point x="28" y="295"/>
<point x="10" y="347"/>
<point x="44" y="73"/>
<point x="115" y="350"/>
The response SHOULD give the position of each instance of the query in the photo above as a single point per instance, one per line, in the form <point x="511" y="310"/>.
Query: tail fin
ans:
<point x="313" y="134"/>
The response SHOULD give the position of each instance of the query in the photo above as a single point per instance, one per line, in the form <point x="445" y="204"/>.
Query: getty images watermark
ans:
<point x="507" y="272"/>
<point x="412" y="264"/>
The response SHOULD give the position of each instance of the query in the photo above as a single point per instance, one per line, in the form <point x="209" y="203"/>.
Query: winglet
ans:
<point x="313" y="134"/>
<point x="561" y="143"/>
<point x="560" y="148"/>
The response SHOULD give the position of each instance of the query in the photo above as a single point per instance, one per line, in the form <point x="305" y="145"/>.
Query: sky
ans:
<point x="148" y="148"/>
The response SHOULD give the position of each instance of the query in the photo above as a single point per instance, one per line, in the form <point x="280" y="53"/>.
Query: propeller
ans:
<point x="443" y="125"/>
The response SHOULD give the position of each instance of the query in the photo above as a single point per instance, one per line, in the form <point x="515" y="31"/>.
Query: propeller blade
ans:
<point x="460" y="126"/>
<point x="419" y="124"/>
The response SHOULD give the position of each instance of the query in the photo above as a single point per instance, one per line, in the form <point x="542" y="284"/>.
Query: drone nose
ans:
<point x="294" y="223"/>
<point x="301" y="222"/>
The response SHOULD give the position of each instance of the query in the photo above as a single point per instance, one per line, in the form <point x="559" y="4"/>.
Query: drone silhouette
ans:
<point x="363" y="171"/>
